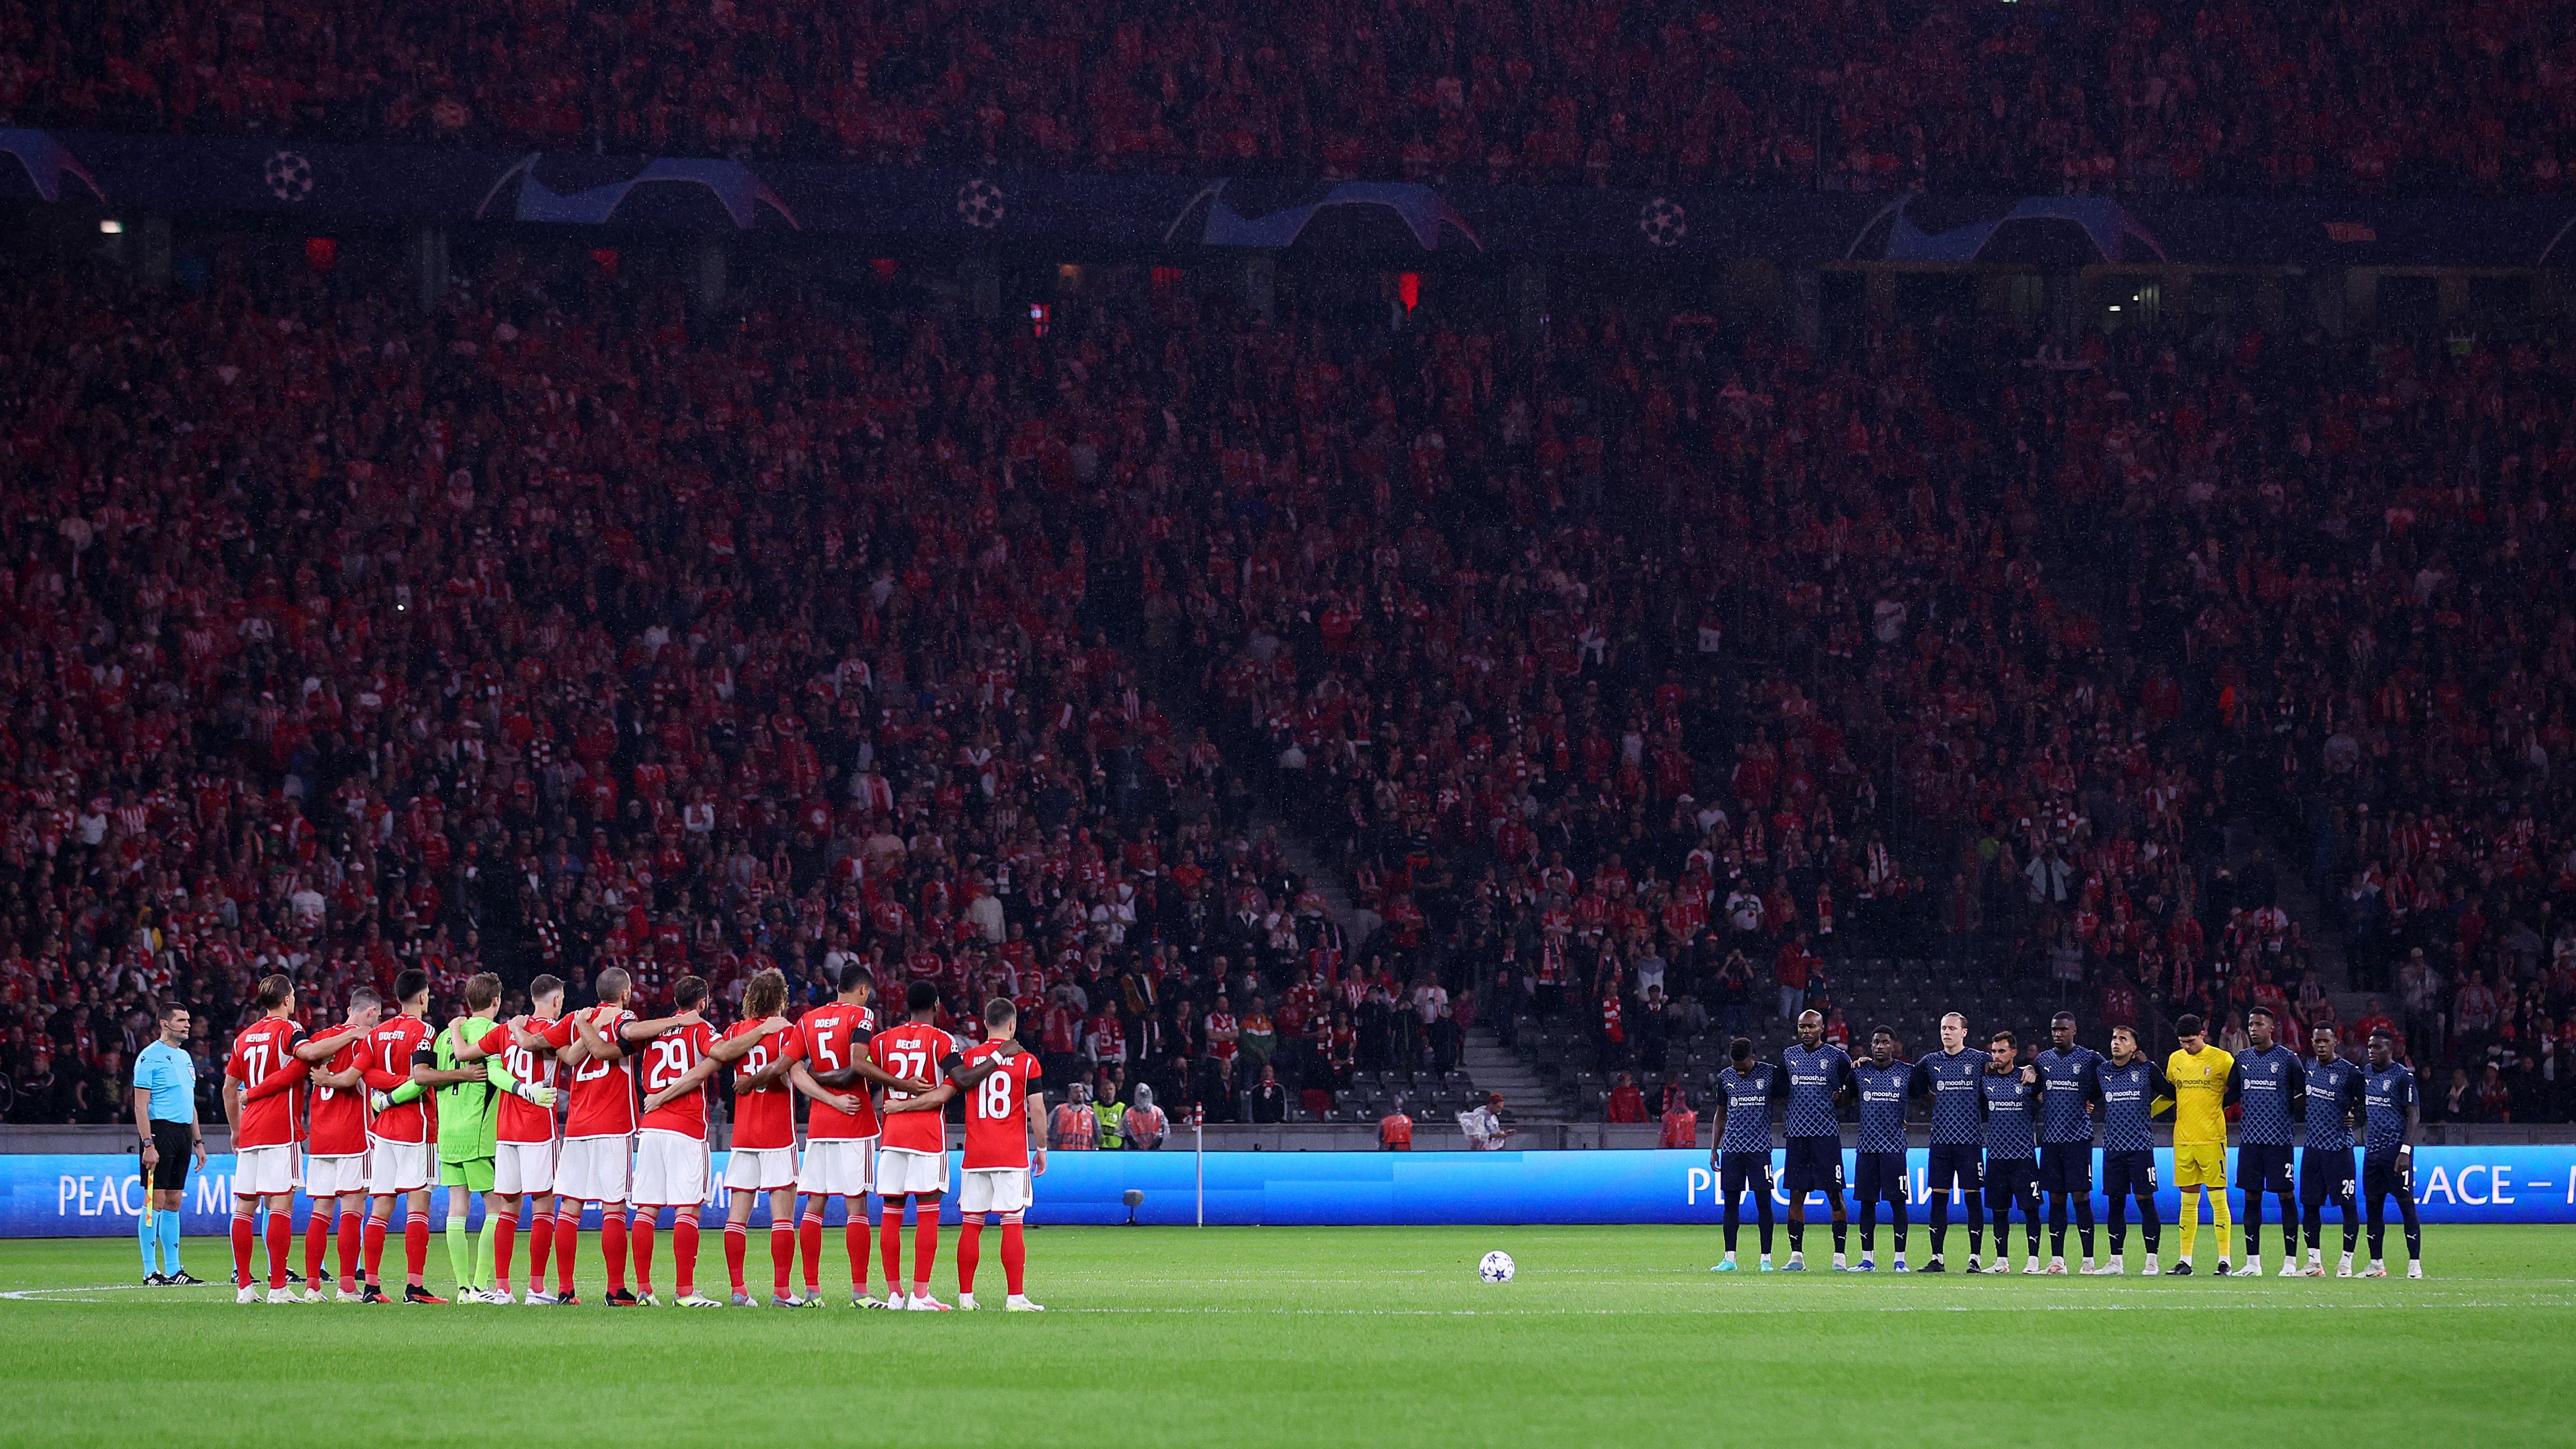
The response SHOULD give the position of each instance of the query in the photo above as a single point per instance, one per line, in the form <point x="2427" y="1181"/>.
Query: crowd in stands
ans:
<point x="2048" y="96"/>
<point x="1637" y="675"/>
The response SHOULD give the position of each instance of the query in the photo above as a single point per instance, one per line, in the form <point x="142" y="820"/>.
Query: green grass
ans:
<point x="1327" y="1336"/>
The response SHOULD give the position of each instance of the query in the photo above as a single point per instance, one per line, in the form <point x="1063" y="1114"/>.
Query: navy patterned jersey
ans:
<point x="2386" y="1094"/>
<point x="2065" y="1089"/>
<point x="1815" y="1077"/>
<point x="1958" y="1118"/>
<point x="2334" y="1091"/>
<point x="1883" y="1091"/>
<point x="2128" y="1100"/>
<point x="2270" y="1080"/>
<point x="2011" y="1106"/>
<point x="1747" y="1096"/>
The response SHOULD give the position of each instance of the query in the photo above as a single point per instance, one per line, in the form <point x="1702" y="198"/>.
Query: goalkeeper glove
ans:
<point x="533" y="1095"/>
<point x="378" y="1101"/>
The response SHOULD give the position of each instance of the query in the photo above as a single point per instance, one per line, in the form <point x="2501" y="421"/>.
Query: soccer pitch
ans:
<point x="1174" y="1336"/>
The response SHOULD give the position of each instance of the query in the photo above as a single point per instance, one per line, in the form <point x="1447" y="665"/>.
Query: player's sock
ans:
<point x="1868" y="1228"/>
<point x="2084" y="1222"/>
<point x="460" y="1252"/>
<point x="639" y="1247"/>
<point x="1015" y="1254"/>
<point x="483" y="1256"/>
<point x="372" y="1241"/>
<point x="737" y="1247"/>
<point x="782" y="1256"/>
<point x="502" y="1231"/>
<point x="567" y="1243"/>
<point x="2253" y="1226"/>
<point x="854" y="1240"/>
<point x="1842" y="1234"/>
<point x="684" y="1253"/>
<point x="925" y="1246"/>
<point x="890" y="1242"/>
<point x="2225" y="1223"/>
<point x="2057" y="1224"/>
<point x="1797" y="1237"/>
<point x="970" y="1249"/>
<point x="317" y="1245"/>
<point x="541" y="1241"/>
<point x="2189" y="1236"/>
<point x="612" y="1245"/>
<point x="1901" y="1212"/>
<point x="809" y="1244"/>
<point x="147" y="1235"/>
<point x="353" y="1231"/>
<point x="169" y="1220"/>
<point x="1731" y="1220"/>
<point x="242" y="1239"/>
<point x="415" y="1248"/>
<point x="281" y="1246"/>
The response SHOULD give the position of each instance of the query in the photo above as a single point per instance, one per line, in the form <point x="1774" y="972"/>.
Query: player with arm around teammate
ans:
<point x="523" y="1160"/>
<point x="1816" y="1075"/>
<point x="2012" y="1168"/>
<point x="671" y="1151"/>
<point x="2126" y="1088"/>
<point x="1953" y="1078"/>
<point x="2067" y="1091"/>
<point x="2270" y="1088"/>
<point x="1005" y="1148"/>
<point x="1740" y="1159"/>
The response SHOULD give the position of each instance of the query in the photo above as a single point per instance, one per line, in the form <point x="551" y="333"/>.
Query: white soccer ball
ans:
<point x="1497" y="1268"/>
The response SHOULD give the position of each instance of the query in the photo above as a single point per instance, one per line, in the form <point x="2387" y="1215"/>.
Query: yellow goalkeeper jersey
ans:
<point x="2200" y="1096"/>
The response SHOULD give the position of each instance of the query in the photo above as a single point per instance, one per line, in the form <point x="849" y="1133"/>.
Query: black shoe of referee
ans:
<point x="184" y="1279"/>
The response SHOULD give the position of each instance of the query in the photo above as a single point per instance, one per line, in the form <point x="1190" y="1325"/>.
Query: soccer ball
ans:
<point x="289" y="176"/>
<point x="979" y="204"/>
<point x="1497" y="1268"/>
<point x="1663" y="221"/>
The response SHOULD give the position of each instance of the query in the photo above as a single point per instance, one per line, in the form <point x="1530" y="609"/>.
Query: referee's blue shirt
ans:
<point x="165" y="1072"/>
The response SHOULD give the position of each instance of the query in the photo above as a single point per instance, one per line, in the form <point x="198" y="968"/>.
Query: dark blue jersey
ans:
<point x="2128" y="1097"/>
<point x="1882" y="1092"/>
<point x="2066" y="1089"/>
<point x="2012" y="1109"/>
<point x="2269" y="1084"/>
<point x="2334" y="1097"/>
<point x="1815" y="1079"/>
<point x="1747" y="1098"/>
<point x="2387" y="1095"/>
<point x="1958" y="1106"/>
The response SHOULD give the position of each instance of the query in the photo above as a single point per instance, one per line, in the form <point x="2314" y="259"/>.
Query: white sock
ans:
<point x="1730" y="1255"/>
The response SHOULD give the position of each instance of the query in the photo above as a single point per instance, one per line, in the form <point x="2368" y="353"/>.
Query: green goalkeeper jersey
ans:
<point x="468" y="1112"/>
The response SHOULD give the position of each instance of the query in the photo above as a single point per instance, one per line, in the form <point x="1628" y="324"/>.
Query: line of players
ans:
<point x="330" y="1115"/>
<point x="2035" y="1125"/>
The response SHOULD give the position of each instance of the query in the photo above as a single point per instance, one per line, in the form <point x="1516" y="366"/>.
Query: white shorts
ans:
<point x="900" y="1171"/>
<point x="670" y="1170"/>
<point x="993" y="1190"/>
<point x="759" y="1169"/>
<point x="592" y="1169"/>
<point x="261" y="1171"/>
<point x="519" y="1167"/>
<point x="838" y="1166"/>
<point x="333" y="1176"/>
<point x="394" y="1167"/>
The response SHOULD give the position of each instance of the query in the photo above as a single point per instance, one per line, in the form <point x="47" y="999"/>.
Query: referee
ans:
<point x="165" y="1117"/>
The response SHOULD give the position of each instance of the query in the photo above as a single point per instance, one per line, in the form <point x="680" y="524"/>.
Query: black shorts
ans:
<point x="1814" y="1164"/>
<point x="2325" y="1176"/>
<point x="2382" y="1177"/>
<point x="2125" y="1174"/>
<point x="1954" y="1163"/>
<point x="2010" y="1180"/>
<point x="1742" y="1172"/>
<point x="177" y="1144"/>
<point x="2066" y="1167"/>
<point x="2261" y="1168"/>
<point x="1881" y="1178"/>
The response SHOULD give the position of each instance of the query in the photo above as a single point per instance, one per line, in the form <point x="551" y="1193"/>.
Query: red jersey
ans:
<point x="603" y="1093"/>
<point x="765" y="1118"/>
<point x="822" y="1038"/>
<point x="997" y="1110"/>
<point x="522" y="1120"/>
<point x="664" y="1060"/>
<point x="914" y="1050"/>
<point x="262" y="1050"/>
<point x="340" y="1113"/>
<point x="387" y="1061"/>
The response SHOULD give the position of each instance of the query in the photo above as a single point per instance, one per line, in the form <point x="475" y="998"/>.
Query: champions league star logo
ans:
<point x="979" y="204"/>
<point x="1663" y="221"/>
<point x="289" y="176"/>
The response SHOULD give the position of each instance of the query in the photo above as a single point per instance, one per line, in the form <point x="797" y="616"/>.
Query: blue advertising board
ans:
<point x="99" y="1195"/>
